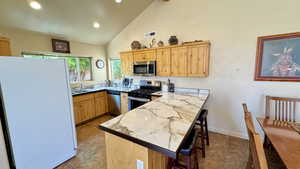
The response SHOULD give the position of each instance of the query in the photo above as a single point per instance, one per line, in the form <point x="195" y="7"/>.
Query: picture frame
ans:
<point x="61" y="46"/>
<point x="278" y="58"/>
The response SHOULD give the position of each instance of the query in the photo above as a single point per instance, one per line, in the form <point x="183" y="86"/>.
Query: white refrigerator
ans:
<point x="36" y="112"/>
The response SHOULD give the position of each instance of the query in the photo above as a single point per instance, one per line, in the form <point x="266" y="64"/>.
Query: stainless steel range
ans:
<point x="143" y="95"/>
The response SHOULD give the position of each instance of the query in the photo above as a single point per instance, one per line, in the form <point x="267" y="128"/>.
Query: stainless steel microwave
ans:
<point x="144" y="68"/>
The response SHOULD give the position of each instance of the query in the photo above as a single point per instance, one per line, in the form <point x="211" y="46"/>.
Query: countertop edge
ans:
<point x="140" y="142"/>
<point x="98" y="90"/>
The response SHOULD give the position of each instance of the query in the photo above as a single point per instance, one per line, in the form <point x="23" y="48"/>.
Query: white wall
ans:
<point x="22" y="40"/>
<point x="232" y="26"/>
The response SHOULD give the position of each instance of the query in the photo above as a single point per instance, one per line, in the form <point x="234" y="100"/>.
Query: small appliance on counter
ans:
<point x="108" y="83"/>
<point x="171" y="86"/>
<point x="127" y="82"/>
<point x="142" y="96"/>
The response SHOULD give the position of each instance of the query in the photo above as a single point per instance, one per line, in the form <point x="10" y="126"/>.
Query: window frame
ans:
<point x="64" y="56"/>
<point x="111" y="68"/>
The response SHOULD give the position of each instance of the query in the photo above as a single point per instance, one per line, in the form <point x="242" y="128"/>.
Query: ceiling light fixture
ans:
<point x="96" y="25"/>
<point x="35" y="5"/>
<point x="118" y="1"/>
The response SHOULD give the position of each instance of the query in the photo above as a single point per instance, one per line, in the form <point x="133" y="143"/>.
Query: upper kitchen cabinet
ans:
<point x="187" y="60"/>
<point x="5" y="47"/>
<point x="145" y="55"/>
<point x="198" y="60"/>
<point x="127" y="63"/>
<point x="179" y="61"/>
<point x="163" y="62"/>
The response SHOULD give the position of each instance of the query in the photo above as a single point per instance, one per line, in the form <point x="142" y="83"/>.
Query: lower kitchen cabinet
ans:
<point x="84" y="107"/>
<point x="101" y="106"/>
<point x="89" y="106"/>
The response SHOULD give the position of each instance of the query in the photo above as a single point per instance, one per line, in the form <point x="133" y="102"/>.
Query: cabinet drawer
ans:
<point x="144" y="56"/>
<point x="83" y="97"/>
<point x="100" y="94"/>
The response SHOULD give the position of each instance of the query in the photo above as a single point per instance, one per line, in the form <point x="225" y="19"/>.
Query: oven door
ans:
<point x="135" y="102"/>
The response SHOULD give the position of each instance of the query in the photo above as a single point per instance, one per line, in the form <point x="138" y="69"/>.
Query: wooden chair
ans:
<point x="257" y="154"/>
<point x="202" y="126"/>
<point x="283" y="107"/>
<point x="188" y="151"/>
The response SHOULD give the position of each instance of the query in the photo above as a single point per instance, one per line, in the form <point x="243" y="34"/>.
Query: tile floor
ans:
<point x="225" y="152"/>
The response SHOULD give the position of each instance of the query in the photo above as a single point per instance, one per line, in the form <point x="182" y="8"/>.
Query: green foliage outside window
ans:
<point x="79" y="68"/>
<point x="116" y="69"/>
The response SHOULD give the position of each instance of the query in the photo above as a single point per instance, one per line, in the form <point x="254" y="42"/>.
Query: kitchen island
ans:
<point x="150" y="134"/>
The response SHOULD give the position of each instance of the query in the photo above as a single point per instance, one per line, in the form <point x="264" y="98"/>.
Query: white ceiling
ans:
<point x="72" y="19"/>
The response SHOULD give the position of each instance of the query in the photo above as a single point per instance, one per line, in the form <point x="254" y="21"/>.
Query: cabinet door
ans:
<point x="4" y="47"/>
<point x="163" y="62"/>
<point x="127" y="63"/>
<point x="124" y="103"/>
<point x="179" y="61"/>
<point x="101" y="103"/>
<point x="140" y="56"/>
<point x="151" y="55"/>
<point x="84" y="108"/>
<point x="198" y="61"/>
<point x="144" y="56"/>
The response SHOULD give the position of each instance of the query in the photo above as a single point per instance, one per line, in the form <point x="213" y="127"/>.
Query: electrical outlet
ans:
<point x="139" y="164"/>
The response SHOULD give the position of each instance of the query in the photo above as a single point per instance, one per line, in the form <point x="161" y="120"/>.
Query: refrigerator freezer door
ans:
<point x="38" y="109"/>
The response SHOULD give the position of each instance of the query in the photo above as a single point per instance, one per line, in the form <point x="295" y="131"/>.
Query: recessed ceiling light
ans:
<point x="118" y="1"/>
<point x="35" y="5"/>
<point x="96" y="25"/>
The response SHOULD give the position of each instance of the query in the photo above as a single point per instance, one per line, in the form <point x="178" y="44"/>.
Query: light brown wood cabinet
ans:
<point x="127" y="63"/>
<point x="84" y="107"/>
<point x="179" y="61"/>
<point x="197" y="61"/>
<point x="163" y="62"/>
<point x="188" y="60"/>
<point x="89" y="106"/>
<point x="144" y="56"/>
<point x="101" y="106"/>
<point x="124" y="103"/>
<point x="5" y="47"/>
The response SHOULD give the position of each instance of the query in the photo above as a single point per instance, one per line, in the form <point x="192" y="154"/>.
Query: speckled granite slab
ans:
<point x="162" y="124"/>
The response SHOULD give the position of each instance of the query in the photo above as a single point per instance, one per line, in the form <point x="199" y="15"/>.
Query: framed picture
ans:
<point x="60" y="46"/>
<point x="278" y="58"/>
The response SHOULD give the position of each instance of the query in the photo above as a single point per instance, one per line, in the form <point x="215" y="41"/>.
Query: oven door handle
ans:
<point x="139" y="99"/>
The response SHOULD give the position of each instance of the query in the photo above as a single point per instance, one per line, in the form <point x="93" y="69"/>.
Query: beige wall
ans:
<point x="233" y="27"/>
<point x="35" y="42"/>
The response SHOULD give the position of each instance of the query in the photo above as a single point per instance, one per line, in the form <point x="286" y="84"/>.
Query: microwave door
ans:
<point x="140" y="69"/>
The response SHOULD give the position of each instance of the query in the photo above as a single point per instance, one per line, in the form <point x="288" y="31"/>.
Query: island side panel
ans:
<point x="123" y="154"/>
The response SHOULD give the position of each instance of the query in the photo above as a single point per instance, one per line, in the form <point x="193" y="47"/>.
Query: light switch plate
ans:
<point x="139" y="164"/>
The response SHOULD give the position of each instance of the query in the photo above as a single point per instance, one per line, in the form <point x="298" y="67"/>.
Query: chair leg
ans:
<point x="206" y="132"/>
<point x="202" y="140"/>
<point x="196" y="160"/>
<point x="188" y="162"/>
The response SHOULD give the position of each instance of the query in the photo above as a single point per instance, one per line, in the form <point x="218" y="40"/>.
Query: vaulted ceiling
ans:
<point x="72" y="19"/>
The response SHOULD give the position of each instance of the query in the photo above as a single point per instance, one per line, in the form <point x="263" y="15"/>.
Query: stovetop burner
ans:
<point x="143" y="92"/>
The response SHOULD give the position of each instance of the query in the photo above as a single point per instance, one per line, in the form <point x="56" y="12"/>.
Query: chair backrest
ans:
<point x="283" y="107"/>
<point x="255" y="144"/>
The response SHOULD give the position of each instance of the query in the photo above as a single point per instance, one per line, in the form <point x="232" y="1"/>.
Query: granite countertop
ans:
<point x="162" y="124"/>
<point x="98" y="89"/>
